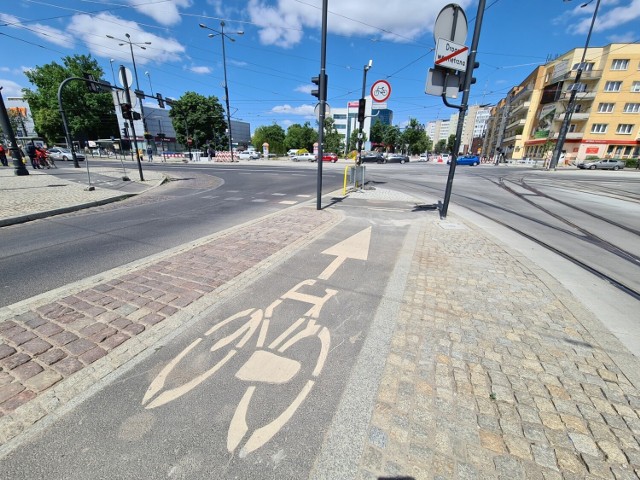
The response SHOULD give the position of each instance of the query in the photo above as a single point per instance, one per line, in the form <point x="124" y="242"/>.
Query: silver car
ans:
<point x="605" y="164"/>
<point x="61" y="153"/>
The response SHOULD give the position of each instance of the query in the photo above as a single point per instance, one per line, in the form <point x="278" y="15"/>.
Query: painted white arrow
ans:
<point x="356" y="247"/>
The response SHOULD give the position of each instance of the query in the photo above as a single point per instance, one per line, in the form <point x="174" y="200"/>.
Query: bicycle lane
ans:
<point x="249" y="390"/>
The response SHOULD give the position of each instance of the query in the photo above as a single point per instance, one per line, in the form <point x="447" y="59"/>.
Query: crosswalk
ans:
<point x="260" y="198"/>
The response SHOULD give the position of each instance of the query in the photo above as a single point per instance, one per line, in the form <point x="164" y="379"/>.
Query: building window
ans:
<point x="605" y="107"/>
<point x="620" y="64"/>
<point x="631" y="107"/>
<point x="573" y="128"/>
<point x="599" y="128"/>
<point x="624" y="129"/>
<point x="635" y="87"/>
<point x="612" y="86"/>
<point x="586" y="67"/>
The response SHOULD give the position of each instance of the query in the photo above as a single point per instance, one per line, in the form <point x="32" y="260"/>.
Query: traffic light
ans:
<point x="321" y="82"/>
<point x="148" y="136"/>
<point x="91" y="86"/>
<point x="135" y="115"/>
<point x="160" y="100"/>
<point x="126" y="111"/>
<point x="125" y="133"/>
<point x="362" y="107"/>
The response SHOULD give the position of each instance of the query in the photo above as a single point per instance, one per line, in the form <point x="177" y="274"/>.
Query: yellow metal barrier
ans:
<point x="344" y="188"/>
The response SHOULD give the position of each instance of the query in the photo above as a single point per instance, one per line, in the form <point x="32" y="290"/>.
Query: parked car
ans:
<point x="372" y="157"/>
<point x="292" y="152"/>
<point x="248" y="155"/>
<point x="329" y="157"/>
<point x="301" y="157"/>
<point x="472" y="160"/>
<point x="396" y="158"/>
<point x="605" y="164"/>
<point x="61" y="153"/>
<point x="424" y="157"/>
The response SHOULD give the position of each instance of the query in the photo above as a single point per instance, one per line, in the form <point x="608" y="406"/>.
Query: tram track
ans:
<point x="594" y="245"/>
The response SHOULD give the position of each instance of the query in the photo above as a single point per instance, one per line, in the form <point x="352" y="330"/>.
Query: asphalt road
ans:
<point x="200" y="200"/>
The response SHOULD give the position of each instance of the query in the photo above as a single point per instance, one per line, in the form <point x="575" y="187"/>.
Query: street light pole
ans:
<point x="564" y="128"/>
<point x="150" y="86"/>
<point x="224" y="65"/>
<point x="140" y="45"/>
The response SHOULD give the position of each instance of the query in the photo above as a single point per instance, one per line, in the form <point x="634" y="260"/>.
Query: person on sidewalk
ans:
<point x="3" y="156"/>
<point x="31" y="153"/>
<point x="150" y="153"/>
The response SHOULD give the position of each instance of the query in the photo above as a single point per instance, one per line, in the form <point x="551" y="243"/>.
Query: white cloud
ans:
<point x="166" y="12"/>
<point x="45" y="32"/>
<point x="305" y="89"/>
<point x="628" y="37"/>
<point x="606" y="19"/>
<point x="304" y="110"/>
<point x="200" y="70"/>
<point x="93" y="30"/>
<point x="282" y="23"/>
<point x="10" y="88"/>
<point x="237" y="63"/>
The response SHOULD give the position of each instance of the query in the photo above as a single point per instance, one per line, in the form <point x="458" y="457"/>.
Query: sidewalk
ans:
<point x="494" y="370"/>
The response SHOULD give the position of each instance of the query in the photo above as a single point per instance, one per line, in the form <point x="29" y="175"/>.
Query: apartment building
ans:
<point x="346" y="119"/>
<point x="604" y="123"/>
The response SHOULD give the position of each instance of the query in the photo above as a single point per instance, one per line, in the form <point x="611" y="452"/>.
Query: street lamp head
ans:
<point x="211" y="35"/>
<point x="127" y="35"/>
<point x="240" y="32"/>
<point x="370" y="63"/>
<point x="110" y="36"/>
<point x="112" y="60"/>
<point x="222" y="24"/>
<point x="202" y="25"/>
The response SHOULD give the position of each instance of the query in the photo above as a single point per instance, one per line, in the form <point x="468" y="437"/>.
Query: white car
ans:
<point x="248" y="155"/>
<point x="301" y="157"/>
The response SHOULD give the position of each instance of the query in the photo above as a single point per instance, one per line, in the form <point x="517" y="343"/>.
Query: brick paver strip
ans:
<point x="97" y="324"/>
<point x="506" y="380"/>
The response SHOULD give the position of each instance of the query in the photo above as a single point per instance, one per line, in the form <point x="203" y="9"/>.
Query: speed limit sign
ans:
<point x="380" y="91"/>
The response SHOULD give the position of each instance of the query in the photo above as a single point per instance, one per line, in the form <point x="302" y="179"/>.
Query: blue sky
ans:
<point x="270" y="66"/>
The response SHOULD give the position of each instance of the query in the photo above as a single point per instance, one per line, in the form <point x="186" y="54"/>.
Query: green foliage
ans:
<point x="300" y="136"/>
<point x="89" y="115"/>
<point x="415" y="137"/>
<point x="274" y="135"/>
<point x="377" y="131"/>
<point x="441" y="146"/>
<point x="332" y="139"/>
<point x="392" y="137"/>
<point x="202" y="117"/>
<point x="451" y="143"/>
<point x="353" y="140"/>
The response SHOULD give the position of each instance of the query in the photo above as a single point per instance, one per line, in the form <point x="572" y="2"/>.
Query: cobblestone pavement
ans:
<point x="494" y="373"/>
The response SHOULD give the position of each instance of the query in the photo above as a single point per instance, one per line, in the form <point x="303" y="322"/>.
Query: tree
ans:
<point x="200" y="118"/>
<point x="377" y="131"/>
<point x="451" y="143"/>
<point x="300" y="136"/>
<point x="392" y="137"/>
<point x="332" y="139"/>
<point x="89" y="115"/>
<point x="441" y="146"/>
<point x="415" y="137"/>
<point x="273" y="135"/>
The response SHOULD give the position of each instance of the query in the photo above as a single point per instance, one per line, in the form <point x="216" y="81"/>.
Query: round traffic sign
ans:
<point x="451" y="24"/>
<point x="380" y="91"/>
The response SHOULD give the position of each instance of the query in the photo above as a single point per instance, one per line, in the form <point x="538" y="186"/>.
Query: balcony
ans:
<point x="577" y="116"/>
<point x="516" y="109"/>
<point x="586" y="75"/>
<point x="579" y="96"/>
<point x="516" y="123"/>
<point x="522" y="94"/>
<point x="570" y="135"/>
<point x="511" y="138"/>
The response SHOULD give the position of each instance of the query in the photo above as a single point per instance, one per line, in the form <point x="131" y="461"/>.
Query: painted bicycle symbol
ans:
<point x="269" y="363"/>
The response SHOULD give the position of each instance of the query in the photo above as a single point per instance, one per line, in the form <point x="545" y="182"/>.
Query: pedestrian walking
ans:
<point x="3" y="156"/>
<point x="150" y="153"/>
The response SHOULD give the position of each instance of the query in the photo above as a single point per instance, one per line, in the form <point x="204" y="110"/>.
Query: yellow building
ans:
<point x="606" y="118"/>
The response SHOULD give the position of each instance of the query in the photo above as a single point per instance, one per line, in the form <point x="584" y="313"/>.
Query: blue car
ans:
<point x="472" y="160"/>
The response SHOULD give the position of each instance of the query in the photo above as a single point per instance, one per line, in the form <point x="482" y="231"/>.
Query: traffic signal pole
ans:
<point x="322" y="97"/>
<point x="127" y="96"/>
<point x="463" y="106"/>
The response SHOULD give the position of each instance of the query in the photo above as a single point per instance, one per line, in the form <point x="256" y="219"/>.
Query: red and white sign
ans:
<point x="353" y="104"/>
<point x="451" y="55"/>
<point x="380" y="91"/>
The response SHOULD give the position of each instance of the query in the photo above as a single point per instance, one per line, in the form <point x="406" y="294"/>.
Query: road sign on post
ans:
<point x="380" y="91"/>
<point x="451" y="55"/>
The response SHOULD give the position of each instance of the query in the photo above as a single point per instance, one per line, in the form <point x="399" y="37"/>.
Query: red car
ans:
<point x="330" y="157"/>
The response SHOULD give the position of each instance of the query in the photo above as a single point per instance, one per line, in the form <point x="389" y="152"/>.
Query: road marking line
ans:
<point x="288" y="202"/>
